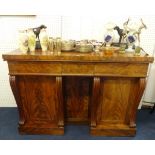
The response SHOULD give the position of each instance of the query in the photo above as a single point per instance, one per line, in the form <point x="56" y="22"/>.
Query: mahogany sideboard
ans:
<point x="102" y="91"/>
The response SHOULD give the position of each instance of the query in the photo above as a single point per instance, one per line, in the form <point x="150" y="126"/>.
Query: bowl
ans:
<point x="67" y="45"/>
<point x="84" y="47"/>
<point x="109" y="50"/>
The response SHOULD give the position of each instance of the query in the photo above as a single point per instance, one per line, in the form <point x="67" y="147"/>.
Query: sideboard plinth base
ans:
<point x="122" y="131"/>
<point x="41" y="131"/>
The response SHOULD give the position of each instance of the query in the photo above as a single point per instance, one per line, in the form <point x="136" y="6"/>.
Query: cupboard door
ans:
<point x="116" y="106"/>
<point x="41" y="104"/>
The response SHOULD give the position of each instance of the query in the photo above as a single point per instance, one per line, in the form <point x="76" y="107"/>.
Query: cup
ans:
<point x="137" y="50"/>
<point x="58" y="45"/>
<point x="51" y="45"/>
<point x="122" y="48"/>
<point x="108" y="50"/>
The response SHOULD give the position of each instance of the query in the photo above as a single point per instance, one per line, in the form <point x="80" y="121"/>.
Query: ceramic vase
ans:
<point x="43" y="40"/>
<point x="131" y="39"/>
<point x="23" y="41"/>
<point x="109" y="34"/>
<point x="31" y="40"/>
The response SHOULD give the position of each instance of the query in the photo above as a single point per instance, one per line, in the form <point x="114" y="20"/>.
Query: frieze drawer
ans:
<point x="77" y="69"/>
<point x="34" y="68"/>
<point x="121" y="69"/>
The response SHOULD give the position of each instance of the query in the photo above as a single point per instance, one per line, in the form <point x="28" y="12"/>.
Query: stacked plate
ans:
<point x="80" y="46"/>
<point x="68" y="45"/>
<point x="84" y="46"/>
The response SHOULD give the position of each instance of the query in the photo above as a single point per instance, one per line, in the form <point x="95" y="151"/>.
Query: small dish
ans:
<point x="68" y="45"/>
<point x="109" y="50"/>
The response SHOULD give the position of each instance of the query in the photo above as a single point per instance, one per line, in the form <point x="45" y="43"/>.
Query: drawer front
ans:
<point x="77" y="69"/>
<point x="121" y="69"/>
<point x="34" y="68"/>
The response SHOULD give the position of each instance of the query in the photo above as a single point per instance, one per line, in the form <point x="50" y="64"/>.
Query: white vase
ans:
<point x="109" y="34"/>
<point x="108" y="37"/>
<point x="43" y="40"/>
<point x="23" y="41"/>
<point x="31" y="40"/>
<point x="131" y="39"/>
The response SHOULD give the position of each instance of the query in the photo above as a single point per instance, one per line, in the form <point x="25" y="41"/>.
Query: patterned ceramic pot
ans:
<point x="23" y="41"/>
<point x="31" y="40"/>
<point x="43" y="40"/>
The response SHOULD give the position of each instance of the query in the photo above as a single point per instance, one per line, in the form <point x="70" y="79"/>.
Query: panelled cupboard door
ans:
<point x="116" y="106"/>
<point x="114" y="100"/>
<point x="39" y="101"/>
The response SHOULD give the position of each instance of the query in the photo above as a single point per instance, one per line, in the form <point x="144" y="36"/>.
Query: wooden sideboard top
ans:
<point x="38" y="55"/>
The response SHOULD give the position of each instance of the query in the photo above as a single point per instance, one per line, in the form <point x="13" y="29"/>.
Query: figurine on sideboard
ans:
<point x="36" y="31"/>
<point x="133" y="37"/>
<point x="138" y="32"/>
<point x="122" y="32"/>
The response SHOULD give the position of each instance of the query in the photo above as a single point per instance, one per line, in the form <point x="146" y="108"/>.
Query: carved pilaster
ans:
<point x="13" y="84"/>
<point x="60" y="101"/>
<point x="137" y="98"/>
<point x="95" y="100"/>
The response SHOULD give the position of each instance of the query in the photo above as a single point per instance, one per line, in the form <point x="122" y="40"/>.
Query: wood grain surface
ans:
<point x="77" y="93"/>
<point x="102" y="91"/>
<point x="73" y="56"/>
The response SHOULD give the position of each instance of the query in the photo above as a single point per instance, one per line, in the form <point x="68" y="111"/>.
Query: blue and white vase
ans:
<point x="109" y="34"/>
<point x="131" y="40"/>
